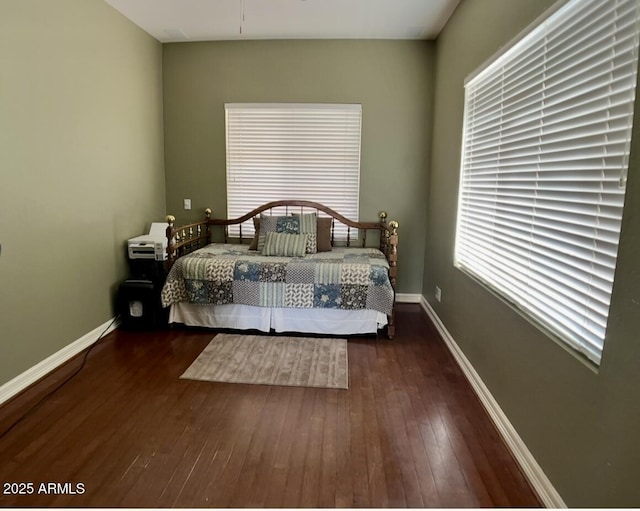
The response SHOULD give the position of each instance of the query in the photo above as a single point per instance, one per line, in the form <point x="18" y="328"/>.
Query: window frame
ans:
<point x="463" y="263"/>
<point x="331" y="133"/>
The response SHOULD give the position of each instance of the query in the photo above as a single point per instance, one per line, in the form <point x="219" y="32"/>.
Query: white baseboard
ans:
<point x="532" y="470"/>
<point x="32" y="375"/>
<point x="408" y="297"/>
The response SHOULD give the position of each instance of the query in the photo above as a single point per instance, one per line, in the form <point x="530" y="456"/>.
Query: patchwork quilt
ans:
<point x="345" y="278"/>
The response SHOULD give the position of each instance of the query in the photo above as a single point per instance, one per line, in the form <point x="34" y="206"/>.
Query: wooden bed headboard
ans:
<point x="187" y="238"/>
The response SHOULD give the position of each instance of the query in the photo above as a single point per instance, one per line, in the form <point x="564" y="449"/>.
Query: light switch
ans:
<point x="187" y="204"/>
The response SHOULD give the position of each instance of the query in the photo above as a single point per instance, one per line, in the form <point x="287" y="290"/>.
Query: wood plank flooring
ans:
<point x="409" y="432"/>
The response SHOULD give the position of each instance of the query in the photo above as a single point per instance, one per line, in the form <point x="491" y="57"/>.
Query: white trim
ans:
<point x="41" y="369"/>
<point x="532" y="470"/>
<point x="355" y="107"/>
<point x="408" y="297"/>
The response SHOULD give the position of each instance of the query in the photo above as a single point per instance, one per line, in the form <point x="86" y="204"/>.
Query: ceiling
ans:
<point x="215" y="20"/>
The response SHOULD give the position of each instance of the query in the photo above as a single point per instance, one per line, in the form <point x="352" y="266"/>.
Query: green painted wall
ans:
<point x="391" y="79"/>
<point x="582" y="426"/>
<point x="81" y="168"/>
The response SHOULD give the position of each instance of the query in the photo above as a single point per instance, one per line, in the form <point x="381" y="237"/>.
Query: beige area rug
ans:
<point x="273" y="360"/>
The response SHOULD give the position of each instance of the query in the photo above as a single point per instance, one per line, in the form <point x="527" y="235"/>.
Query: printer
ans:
<point x="150" y="246"/>
<point x="138" y="303"/>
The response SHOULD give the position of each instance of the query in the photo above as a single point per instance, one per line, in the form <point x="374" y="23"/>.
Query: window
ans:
<point x="293" y="151"/>
<point x="547" y="132"/>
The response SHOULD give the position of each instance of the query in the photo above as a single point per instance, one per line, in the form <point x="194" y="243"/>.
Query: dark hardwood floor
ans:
<point x="409" y="432"/>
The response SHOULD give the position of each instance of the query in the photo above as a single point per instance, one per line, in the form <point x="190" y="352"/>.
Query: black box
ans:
<point x="139" y="305"/>
<point x="147" y="269"/>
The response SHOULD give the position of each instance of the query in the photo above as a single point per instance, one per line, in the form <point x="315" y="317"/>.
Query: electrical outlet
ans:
<point x="438" y="294"/>
<point x="187" y="204"/>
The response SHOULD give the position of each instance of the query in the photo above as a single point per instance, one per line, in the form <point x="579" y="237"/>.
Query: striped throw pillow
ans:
<point x="309" y="226"/>
<point x="284" y="244"/>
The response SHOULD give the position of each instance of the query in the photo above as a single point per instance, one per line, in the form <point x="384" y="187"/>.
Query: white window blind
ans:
<point x="293" y="151"/>
<point x="547" y="131"/>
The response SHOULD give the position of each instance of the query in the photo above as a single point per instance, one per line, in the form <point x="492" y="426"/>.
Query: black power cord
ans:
<point x="52" y="392"/>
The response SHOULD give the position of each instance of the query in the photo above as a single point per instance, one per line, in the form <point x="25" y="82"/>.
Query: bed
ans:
<point x="302" y="268"/>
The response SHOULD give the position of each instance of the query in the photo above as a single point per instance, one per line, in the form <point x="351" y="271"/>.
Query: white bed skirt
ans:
<point x="247" y="317"/>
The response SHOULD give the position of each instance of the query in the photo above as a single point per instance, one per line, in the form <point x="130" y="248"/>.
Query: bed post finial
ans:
<point x="170" y="233"/>
<point x="393" y="272"/>
<point x="384" y="233"/>
<point x="207" y="214"/>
